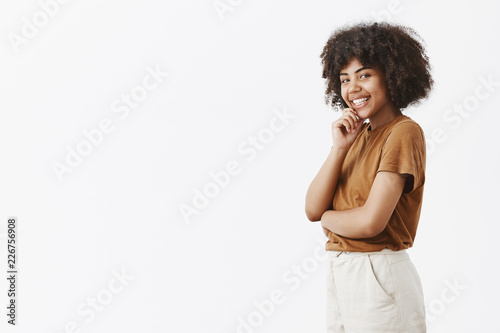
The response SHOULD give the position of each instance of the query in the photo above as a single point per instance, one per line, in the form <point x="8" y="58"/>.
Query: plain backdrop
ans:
<point x="184" y="209"/>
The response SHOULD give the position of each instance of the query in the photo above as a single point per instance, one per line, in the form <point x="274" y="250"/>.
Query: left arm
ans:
<point x="370" y="219"/>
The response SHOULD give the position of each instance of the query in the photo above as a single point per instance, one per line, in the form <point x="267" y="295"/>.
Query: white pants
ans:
<point x="373" y="292"/>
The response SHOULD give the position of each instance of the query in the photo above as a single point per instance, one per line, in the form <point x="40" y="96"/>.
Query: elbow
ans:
<point x="374" y="227"/>
<point x="312" y="211"/>
<point x="313" y="216"/>
<point x="374" y="223"/>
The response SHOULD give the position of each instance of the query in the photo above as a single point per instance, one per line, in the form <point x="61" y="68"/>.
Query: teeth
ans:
<point x="360" y="100"/>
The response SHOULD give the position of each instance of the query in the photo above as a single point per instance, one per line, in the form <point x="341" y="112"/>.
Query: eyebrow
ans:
<point x="360" y="69"/>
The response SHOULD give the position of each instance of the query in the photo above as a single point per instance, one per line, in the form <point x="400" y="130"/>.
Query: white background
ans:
<point x="118" y="210"/>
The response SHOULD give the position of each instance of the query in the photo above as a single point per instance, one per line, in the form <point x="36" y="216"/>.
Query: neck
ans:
<point x="384" y="116"/>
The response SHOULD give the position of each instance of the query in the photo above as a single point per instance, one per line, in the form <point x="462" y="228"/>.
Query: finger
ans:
<point x="348" y="120"/>
<point x="348" y="123"/>
<point x="352" y="113"/>
<point x="356" y="120"/>
<point x="352" y="117"/>
<point x="346" y="110"/>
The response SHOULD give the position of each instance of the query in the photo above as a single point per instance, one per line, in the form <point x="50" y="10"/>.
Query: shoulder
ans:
<point x="405" y="127"/>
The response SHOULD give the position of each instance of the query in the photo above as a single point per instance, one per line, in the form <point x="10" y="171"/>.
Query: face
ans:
<point x="364" y="89"/>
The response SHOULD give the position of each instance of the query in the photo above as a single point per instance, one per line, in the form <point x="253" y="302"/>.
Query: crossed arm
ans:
<point x="370" y="219"/>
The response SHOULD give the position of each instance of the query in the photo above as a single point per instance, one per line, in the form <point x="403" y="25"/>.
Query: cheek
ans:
<point x="343" y="93"/>
<point x="381" y="89"/>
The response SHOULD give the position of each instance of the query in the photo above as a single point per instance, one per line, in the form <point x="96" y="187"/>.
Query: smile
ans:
<point x="360" y="101"/>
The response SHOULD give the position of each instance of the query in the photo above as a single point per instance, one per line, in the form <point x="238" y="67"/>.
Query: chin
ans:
<point x="362" y="114"/>
<point x="365" y="114"/>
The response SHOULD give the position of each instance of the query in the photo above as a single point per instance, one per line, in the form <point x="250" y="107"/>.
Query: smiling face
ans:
<point x="364" y="90"/>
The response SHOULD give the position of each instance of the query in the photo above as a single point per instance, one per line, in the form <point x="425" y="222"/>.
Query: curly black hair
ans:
<point x="395" y="49"/>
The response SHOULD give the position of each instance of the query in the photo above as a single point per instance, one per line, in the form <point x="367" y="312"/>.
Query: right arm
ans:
<point x="320" y="194"/>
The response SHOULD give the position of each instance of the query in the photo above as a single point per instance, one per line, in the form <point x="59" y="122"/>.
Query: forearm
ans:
<point x="351" y="223"/>
<point x="320" y="194"/>
<point x="326" y="231"/>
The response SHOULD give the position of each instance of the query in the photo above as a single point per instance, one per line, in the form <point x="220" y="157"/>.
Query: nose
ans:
<point x="353" y="87"/>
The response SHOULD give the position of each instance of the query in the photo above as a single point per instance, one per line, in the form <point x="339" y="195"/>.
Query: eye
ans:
<point x="364" y="75"/>
<point x="344" y="80"/>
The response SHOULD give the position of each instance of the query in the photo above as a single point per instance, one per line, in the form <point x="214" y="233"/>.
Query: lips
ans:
<point x="360" y="101"/>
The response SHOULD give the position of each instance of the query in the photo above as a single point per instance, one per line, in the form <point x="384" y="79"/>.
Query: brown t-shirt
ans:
<point x="396" y="146"/>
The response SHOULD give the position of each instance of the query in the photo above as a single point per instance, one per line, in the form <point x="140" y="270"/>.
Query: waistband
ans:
<point x="348" y="254"/>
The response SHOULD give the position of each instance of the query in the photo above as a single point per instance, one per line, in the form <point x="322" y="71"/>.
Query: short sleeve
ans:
<point x="403" y="152"/>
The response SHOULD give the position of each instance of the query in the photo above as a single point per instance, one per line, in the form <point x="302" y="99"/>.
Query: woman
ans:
<point x="368" y="193"/>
